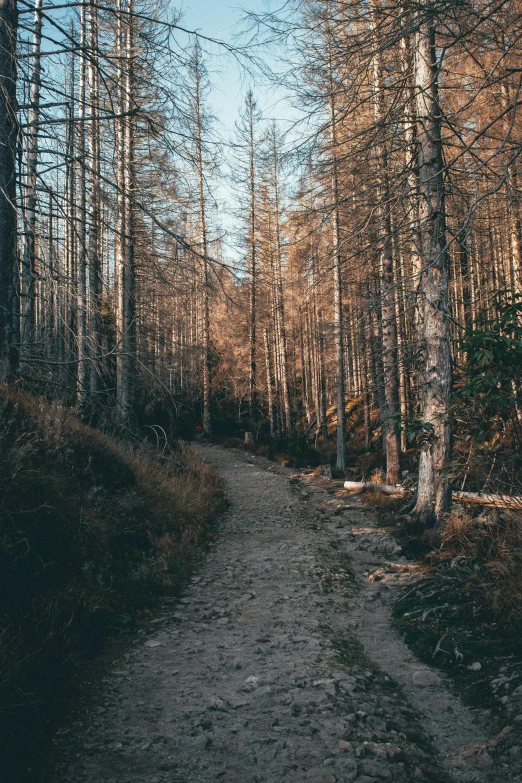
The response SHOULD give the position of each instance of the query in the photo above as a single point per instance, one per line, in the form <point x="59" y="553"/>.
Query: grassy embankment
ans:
<point x="464" y="614"/>
<point x="91" y="532"/>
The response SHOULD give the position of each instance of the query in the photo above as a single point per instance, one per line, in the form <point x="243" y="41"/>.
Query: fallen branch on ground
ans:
<point x="500" y="501"/>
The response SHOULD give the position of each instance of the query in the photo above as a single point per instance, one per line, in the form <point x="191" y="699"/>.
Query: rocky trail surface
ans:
<point x="280" y="663"/>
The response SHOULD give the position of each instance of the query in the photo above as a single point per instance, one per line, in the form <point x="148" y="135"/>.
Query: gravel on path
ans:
<point x="279" y="664"/>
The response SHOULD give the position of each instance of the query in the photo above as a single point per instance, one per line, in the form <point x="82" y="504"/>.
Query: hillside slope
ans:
<point x="91" y="531"/>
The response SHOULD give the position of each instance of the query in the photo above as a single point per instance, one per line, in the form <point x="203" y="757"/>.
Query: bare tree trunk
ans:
<point x="433" y="490"/>
<point x="71" y="228"/>
<point x="253" y="263"/>
<point x="269" y="383"/>
<point x="27" y="282"/>
<point x="120" y="231"/>
<point x="125" y="358"/>
<point x="93" y="157"/>
<point x="411" y="162"/>
<point x="391" y="412"/>
<point x="280" y="304"/>
<point x="337" y="273"/>
<point x="513" y="207"/>
<point x="207" y="420"/>
<point x="304" y="356"/>
<point x="81" y="304"/>
<point x="9" y="312"/>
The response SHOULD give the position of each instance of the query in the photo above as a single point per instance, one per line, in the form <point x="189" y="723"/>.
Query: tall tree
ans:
<point x="93" y="200"/>
<point x="433" y="489"/>
<point x="82" y="335"/>
<point x="9" y="329"/>
<point x="201" y="167"/>
<point x="27" y="283"/>
<point x="275" y="142"/>
<point x="126" y="315"/>
<point x="248" y="140"/>
<point x="336" y="258"/>
<point x="391" y="412"/>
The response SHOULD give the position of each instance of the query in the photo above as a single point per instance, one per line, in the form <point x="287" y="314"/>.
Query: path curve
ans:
<point x="260" y="672"/>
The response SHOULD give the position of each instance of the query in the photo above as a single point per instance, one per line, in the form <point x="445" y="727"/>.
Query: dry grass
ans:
<point x="91" y="531"/>
<point x="493" y="541"/>
<point x="465" y="612"/>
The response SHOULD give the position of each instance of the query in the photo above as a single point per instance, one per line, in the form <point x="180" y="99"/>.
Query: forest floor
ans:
<point x="281" y="662"/>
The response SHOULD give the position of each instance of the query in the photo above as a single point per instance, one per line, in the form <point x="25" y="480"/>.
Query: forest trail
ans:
<point x="279" y="664"/>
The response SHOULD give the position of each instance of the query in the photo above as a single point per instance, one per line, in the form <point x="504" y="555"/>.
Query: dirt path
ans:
<point x="279" y="664"/>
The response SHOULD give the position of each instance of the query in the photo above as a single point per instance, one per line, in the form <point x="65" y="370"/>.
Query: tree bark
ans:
<point x="391" y="413"/>
<point x="9" y="306"/>
<point x="81" y="302"/>
<point x="337" y="272"/>
<point x="93" y="157"/>
<point x="280" y="304"/>
<point x="207" y="420"/>
<point x="253" y="263"/>
<point x="126" y="322"/>
<point x="433" y="490"/>
<point x="27" y="282"/>
<point x="269" y="395"/>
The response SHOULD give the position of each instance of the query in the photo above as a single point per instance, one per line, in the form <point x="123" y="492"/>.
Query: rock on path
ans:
<point x="259" y="673"/>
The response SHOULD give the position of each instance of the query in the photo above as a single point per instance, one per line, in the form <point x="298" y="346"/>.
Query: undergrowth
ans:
<point x="293" y="451"/>
<point x="465" y="614"/>
<point x="91" y="532"/>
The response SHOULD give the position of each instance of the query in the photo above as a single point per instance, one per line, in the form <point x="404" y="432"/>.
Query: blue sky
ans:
<point x="222" y="19"/>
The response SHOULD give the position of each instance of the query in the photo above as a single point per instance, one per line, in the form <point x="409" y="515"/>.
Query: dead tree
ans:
<point x="9" y="328"/>
<point x="433" y="490"/>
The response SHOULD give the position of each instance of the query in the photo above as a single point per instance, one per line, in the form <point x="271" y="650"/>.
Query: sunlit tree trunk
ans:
<point x="433" y="490"/>
<point x="513" y="203"/>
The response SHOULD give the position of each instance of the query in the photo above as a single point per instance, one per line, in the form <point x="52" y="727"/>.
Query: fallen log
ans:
<point x="500" y="501"/>
<point x="477" y="498"/>
<point x="388" y="489"/>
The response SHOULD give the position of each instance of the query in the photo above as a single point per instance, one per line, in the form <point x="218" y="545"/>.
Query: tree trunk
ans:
<point x="81" y="305"/>
<point x="391" y="413"/>
<point x="253" y="264"/>
<point x="280" y="304"/>
<point x="269" y="383"/>
<point x="337" y="273"/>
<point x="125" y="357"/>
<point x="207" y="421"/>
<point x="93" y="157"/>
<point x="9" y="308"/>
<point x="433" y="491"/>
<point x="27" y="282"/>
